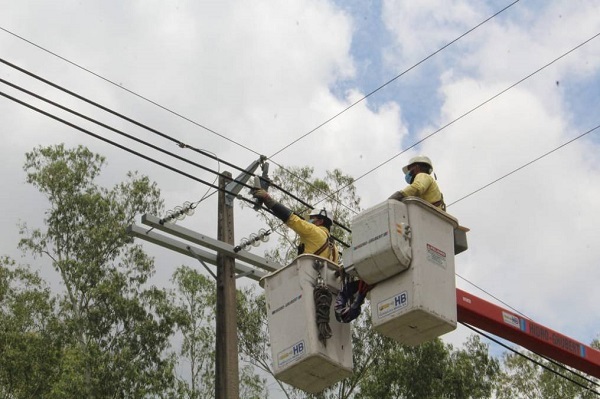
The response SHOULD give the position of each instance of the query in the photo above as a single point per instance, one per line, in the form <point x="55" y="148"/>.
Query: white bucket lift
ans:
<point x="407" y="249"/>
<point x="299" y="358"/>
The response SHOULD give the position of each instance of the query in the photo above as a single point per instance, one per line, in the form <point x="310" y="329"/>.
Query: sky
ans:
<point x="357" y="85"/>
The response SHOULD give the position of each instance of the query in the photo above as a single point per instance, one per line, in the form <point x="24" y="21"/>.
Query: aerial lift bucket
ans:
<point x="299" y="357"/>
<point x="407" y="250"/>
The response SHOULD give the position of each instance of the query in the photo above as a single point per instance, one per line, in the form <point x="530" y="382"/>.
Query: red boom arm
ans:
<point x="526" y="333"/>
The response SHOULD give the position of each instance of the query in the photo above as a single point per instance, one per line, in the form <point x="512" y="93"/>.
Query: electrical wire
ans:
<point x="154" y="147"/>
<point x="120" y="146"/>
<point x="179" y="143"/>
<point x="183" y="145"/>
<point x="120" y="132"/>
<point x="395" y="78"/>
<point x="127" y="90"/>
<point x="128" y="119"/>
<point x="527" y="164"/>
<point x="212" y="131"/>
<point x="492" y="296"/>
<point x="478" y="106"/>
<point x="330" y="195"/>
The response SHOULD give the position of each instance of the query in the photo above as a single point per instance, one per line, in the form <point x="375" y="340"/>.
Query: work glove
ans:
<point x="398" y="196"/>
<point x="263" y="196"/>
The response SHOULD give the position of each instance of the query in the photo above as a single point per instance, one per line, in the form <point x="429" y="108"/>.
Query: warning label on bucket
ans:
<point x="436" y="256"/>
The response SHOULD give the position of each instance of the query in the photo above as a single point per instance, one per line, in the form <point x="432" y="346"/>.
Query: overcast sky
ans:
<point x="262" y="74"/>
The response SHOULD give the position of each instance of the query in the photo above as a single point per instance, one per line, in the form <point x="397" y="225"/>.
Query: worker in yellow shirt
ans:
<point x="421" y="184"/>
<point x="314" y="234"/>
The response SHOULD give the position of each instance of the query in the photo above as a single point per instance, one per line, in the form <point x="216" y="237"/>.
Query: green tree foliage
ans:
<point x="29" y="333"/>
<point x="431" y="370"/>
<point x="195" y="301"/>
<point x="115" y="327"/>
<point x="524" y="378"/>
<point x="194" y="298"/>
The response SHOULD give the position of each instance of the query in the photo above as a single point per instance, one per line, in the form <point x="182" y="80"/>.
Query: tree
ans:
<point x="195" y="297"/>
<point x="195" y="300"/>
<point x="116" y="328"/>
<point x="524" y="378"/>
<point x="432" y="370"/>
<point x="29" y="333"/>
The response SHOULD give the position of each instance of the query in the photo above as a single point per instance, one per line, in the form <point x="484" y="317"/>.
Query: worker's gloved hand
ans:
<point x="263" y="196"/>
<point x="397" y="196"/>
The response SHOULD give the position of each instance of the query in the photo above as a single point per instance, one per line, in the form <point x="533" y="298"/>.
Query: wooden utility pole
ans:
<point x="227" y="376"/>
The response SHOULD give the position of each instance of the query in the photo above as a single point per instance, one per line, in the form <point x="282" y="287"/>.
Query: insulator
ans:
<point x="179" y="213"/>
<point x="244" y="243"/>
<point x="188" y="209"/>
<point x="264" y="235"/>
<point x="254" y="240"/>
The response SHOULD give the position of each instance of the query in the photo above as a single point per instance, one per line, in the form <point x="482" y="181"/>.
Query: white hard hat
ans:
<point x="323" y="213"/>
<point x="419" y="159"/>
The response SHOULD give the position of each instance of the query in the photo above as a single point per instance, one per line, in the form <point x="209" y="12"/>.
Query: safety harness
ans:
<point x="441" y="204"/>
<point x="333" y="254"/>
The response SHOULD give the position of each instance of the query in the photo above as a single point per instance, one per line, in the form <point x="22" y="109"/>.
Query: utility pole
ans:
<point x="227" y="377"/>
<point x="231" y="263"/>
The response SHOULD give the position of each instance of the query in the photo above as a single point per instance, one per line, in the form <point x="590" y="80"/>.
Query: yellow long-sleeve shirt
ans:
<point x="313" y="237"/>
<point x="425" y="187"/>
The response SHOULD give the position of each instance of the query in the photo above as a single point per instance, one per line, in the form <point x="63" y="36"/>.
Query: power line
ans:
<point x="527" y="164"/>
<point x="461" y="117"/>
<point x="491" y="295"/>
<point x="106" y="109"/>
<point x="127" y="90"/>
<point x="128" y="119"/>
<point x="122" y="147"/>
<point x="539" y="363"/>
<point x="212" y="131"/>
<point x="179" y="143"/>
<point x="120" y="132"/>
<point x="187" y="146"/>
<point x="394" y="78"/>
<point x="476" y="107"/>
<point x="154" y="147"/>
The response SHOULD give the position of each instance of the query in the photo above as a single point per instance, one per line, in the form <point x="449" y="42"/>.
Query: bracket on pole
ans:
<point x="233" y="188"/>
<point x="191" y="251"/>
